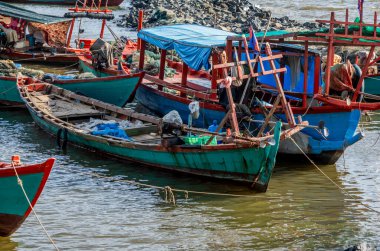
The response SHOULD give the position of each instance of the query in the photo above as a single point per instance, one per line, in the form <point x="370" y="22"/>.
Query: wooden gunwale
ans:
<point x="248" y="142"/>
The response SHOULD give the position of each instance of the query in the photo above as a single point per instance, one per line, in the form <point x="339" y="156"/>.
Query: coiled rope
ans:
<point x="19" y="182"/>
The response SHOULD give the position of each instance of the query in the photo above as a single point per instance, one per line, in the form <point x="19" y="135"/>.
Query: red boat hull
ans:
<point x="63" y="2"/>
<point x="10" y="222"/>
<point x="41" y="58"/>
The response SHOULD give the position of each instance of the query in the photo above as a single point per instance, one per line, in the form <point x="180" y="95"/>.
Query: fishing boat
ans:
<point x="50" y="37"/>
<point x="325" y="147"/>
<point x="66" y="2"/>
<point x="51" y="32"/>
<point x="116" y="90"/>
<point x="372" y="86"/>
<point x="14" y="206"/>
<point x="152" y="141"/>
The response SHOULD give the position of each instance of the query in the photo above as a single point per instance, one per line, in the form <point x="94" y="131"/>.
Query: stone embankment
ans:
<point x="231" y="15"/>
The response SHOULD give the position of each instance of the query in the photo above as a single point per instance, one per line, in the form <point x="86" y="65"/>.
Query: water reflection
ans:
<point x="83" y="211"/>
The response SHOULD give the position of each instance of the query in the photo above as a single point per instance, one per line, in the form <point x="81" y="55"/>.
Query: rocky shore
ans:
<point x="231" y="15"/>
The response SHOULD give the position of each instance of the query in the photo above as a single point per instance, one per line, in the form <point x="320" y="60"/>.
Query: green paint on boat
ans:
<point x="372" y="85"/>
<point x="116" y="91"/>
<point x="86" y="68"/>
<point x="8" y="91"/>
<point x="12" y="198"/>
<point x="241" y="164"/>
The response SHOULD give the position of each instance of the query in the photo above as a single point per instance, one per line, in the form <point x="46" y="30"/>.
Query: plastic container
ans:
<point x="199" y="140"/>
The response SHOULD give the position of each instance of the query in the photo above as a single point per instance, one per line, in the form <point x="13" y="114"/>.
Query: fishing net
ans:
<point x="9" y="69"/>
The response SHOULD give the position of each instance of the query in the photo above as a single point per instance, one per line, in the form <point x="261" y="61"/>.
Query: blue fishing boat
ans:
<point x="14" y="206"/>
<point x="300" y="85"/>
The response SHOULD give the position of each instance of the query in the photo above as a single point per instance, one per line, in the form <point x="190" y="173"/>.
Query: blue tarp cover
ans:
<point x="193" y="43"/>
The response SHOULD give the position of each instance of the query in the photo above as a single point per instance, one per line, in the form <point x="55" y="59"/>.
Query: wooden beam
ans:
<point x="285" y="105"/>
<point x="142" y="55"/>
<point x="330" y="54"/>
<point x="269" y="115"/>
<point x="214" y="73"/>
<point x="305" y="74"/>
<point x="317" y="69"/>
<point x="364" y="73"/>
<point x="185" y="70"/>
<point x="161" y="74"/>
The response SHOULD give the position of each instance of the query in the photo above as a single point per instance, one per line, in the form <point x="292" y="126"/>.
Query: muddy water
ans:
<point x="88" y="203"/>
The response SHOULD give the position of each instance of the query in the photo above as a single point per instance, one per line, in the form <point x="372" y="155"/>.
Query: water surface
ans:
<point x="89" y="204"/>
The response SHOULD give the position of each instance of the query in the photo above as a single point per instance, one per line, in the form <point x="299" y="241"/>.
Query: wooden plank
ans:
<point x="269" y="115"/>
<point x="198" y="94"/>
<point x="255" y="75"/>
<point x="255" y="60"/>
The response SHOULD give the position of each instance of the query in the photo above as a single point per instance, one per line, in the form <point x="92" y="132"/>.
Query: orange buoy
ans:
<point x="16" y="160"/>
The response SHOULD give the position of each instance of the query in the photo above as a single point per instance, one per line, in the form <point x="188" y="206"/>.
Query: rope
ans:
<point x="169" y="195"/>
<point x="170" y="191"/>
<point x="344" y="191"/>
<point x="9" y="89"/>
<point x="307" y="110"/>
<point x="64" y="67"/>
<point x="377" y="140"/>
<point x="19" y="182"/>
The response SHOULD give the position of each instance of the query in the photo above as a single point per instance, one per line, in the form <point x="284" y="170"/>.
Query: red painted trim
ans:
<point x="45" y="168"/>
<point x="342" y="104"/>
<point x="217" y="107"/>
<point x="57" y="58"/>
<point x="98" y="79"/>
<point x="206" y="105"/>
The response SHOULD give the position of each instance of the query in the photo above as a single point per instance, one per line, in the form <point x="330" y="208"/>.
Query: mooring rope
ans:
<point x="169" y="192"/>
<point x="333" y="182"/>
<point x="19" y="182"/>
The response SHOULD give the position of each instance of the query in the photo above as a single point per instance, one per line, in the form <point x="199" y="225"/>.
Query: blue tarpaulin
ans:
<point x="193" y="43"/>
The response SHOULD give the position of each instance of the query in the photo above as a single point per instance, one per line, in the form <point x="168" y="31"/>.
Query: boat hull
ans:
<point x="40" y="58"/>
<point x="242" y="164"/>
<point x="63" y="2"/>
<point x="14" y="207"/>
<point x="372" y="85"/>
<point x="86" y="66"/>
<point x="117" y="90"/>
<point x="341" y="125"/>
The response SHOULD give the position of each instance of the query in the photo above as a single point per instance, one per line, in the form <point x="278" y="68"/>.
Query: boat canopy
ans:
<point x="10" y="10"/>
<point x="193" y="43"/>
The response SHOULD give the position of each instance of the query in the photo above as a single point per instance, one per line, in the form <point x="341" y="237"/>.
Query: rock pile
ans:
<point x="231" y="15"/>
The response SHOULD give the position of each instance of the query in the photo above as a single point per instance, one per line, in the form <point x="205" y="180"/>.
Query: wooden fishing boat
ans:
<point x="372" y="86"/>
<point x="54" y="33"/>
<point x="116" y="90"/>
<point x="323" y="148"/>
<point x="14" y="207"/>
<point x="85" y="64"/>
<point x="65" y="114"/>
<point x="66" y="2"/>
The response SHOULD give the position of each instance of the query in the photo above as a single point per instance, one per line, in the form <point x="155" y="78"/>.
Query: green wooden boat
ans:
<point x="372" y="85"/>
<point x="116" y="90"/>
<point x="64" y="114"/>
<point x="14" y="207"/>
